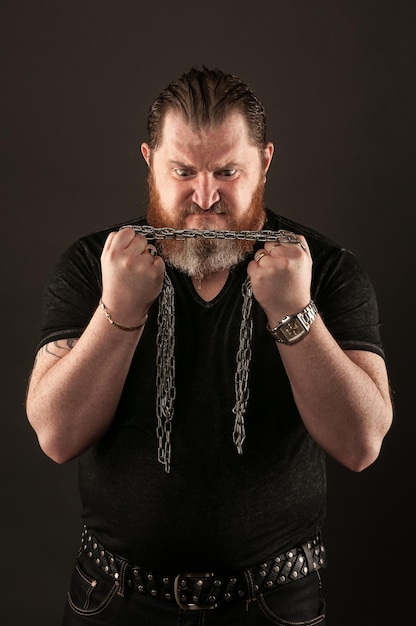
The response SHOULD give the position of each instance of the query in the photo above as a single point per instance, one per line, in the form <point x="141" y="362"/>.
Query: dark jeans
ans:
<point x="95" y="600"/>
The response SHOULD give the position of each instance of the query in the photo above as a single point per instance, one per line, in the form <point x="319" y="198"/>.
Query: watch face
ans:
<point x="293" y="330"/>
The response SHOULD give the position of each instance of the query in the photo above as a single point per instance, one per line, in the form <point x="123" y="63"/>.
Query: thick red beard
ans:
<point x="200" y="257"/>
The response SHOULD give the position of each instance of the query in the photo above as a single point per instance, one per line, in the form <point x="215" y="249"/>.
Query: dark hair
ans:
<point x="205" y="97"/>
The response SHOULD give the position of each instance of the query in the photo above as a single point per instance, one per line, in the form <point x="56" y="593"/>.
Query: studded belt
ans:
<point x="206" y="590"/>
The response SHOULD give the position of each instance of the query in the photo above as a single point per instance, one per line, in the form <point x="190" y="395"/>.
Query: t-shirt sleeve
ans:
<point x="72" y="292"/>
<point x="345" y="297"/>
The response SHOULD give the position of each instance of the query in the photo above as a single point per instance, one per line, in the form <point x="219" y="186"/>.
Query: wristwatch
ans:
<point x="293" y="328"/>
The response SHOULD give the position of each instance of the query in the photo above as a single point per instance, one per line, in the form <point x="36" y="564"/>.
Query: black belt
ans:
<point x="205" y="590"/>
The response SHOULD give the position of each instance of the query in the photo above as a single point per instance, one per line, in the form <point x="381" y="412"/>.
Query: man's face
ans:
<point x="210" y="178"/>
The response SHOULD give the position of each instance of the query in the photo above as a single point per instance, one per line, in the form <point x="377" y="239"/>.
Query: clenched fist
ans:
<point x="132" y="276"/>
<point x="280" y="276"/>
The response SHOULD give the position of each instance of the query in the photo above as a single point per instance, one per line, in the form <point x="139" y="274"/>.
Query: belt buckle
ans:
<point x="190" y="606"/>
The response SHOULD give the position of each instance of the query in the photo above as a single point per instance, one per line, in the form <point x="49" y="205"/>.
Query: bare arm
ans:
<point x="75" y="385"/>
<point x="342" y="397"/>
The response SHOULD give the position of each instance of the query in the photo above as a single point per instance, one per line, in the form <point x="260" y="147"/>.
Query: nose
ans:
<point x="205" y="191"/>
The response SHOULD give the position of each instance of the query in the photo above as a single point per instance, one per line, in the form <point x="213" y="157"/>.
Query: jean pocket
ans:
<point x="299" y="603"/>
<point x="91" y="590"/>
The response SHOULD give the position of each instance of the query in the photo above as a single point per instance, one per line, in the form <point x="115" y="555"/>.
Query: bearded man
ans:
<point x="201" y="363"/>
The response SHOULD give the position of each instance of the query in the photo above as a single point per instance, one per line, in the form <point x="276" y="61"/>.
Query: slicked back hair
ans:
<point x="204" y="98"/>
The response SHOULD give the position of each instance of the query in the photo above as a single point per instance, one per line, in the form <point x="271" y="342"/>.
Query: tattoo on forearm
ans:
<point x="58" y="348"/>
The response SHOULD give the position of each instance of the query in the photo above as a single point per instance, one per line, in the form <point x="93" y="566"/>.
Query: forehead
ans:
<point x="227" y="140"/>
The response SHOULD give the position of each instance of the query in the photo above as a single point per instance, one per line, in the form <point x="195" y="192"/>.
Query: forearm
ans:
<point x="342" y="397"/>
<point x="73" y="395"/>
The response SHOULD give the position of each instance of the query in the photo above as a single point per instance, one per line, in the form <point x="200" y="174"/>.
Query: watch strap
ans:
<point x="293" y="328"/>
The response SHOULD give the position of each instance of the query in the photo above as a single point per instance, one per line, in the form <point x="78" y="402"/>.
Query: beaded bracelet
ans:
<point x="126" y="328"/>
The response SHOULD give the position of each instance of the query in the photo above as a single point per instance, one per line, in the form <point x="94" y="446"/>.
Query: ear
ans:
<point x="146" y="152"/>
<point x="267" y="156"/>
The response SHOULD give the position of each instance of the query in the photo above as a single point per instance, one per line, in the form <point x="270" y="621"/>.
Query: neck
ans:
<point x="210" y="285"/>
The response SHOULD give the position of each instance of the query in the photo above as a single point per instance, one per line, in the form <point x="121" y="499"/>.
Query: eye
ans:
<point x="183" y="172"/>
<point x="229" y="173"/>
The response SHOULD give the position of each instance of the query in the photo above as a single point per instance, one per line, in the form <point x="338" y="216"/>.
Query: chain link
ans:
<point x="281" y="236"/>
<point x="165" y="371"/>
<point x="165" y="342"/>
<point x="243" y="367"/>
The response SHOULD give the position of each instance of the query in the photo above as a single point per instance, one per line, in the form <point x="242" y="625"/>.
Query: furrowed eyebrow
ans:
<point x="227" y="166"/>
<point x="182" y="165"/>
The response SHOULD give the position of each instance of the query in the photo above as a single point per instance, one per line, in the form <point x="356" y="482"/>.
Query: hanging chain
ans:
<point x="165" y="357"/>
<point x="243" y="368"/>
<point x="165" y="371"/>
<point x="282" y="236"/>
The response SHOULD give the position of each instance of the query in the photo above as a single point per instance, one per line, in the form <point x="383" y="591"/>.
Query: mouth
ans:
<point x="204" y="214"/>
<point x="207" y="221"/>
<point x="194" y="209"/>
<point x="214" y="218"/>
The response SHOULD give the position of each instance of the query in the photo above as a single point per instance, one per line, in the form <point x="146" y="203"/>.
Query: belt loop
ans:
<point x="122" y="579"/>
<point x="251" y="590"/>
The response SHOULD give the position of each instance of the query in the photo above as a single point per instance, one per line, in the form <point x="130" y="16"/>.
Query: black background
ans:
<point x="338" y="83"/>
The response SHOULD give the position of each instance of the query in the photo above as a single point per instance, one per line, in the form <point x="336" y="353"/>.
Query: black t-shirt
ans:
<point x="217" y="510"/>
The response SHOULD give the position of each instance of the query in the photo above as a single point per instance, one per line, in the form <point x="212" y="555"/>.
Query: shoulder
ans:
<point x="91" y="244"/>
<point x="330" y="258"/>
<point x="279" y="222"/>
<point x="101" y="235"/>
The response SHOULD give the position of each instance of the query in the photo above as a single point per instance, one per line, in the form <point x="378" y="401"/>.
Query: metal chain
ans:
<point x="282" y="236"/>
<point x="165" y="357"/>
<point x="243" y="367"/>
<point x="165" y="371"/>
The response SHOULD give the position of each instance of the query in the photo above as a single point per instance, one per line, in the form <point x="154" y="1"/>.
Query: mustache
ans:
<point x="218" y="208"/>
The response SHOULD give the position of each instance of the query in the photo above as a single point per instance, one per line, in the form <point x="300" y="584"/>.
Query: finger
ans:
<point x="259" y="255"/>
<point x="150" y="249"/>
<point x="108" y="241"/>
<point x="272" y="246"/>
<point x="127" y="236"/>
<point x="118" y="240"/>
<point x="133" y="244"/>
<point x="303" y="243"/>
<point x="292" y="240"/>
